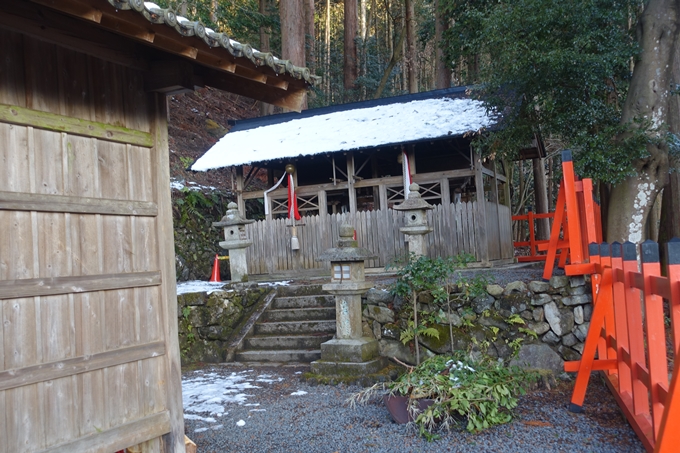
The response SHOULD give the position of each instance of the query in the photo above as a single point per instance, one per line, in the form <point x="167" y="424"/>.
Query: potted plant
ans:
<point x="446" y="391"/>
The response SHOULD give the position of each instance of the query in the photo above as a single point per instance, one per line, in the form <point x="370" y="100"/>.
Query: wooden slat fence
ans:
<point x="453" y="224"/>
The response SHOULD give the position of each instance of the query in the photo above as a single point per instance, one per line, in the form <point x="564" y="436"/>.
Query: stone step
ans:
<point x="286" y="341"/>
<point x="313" y="301"/>
<point x="294" y="327"/>
<point x="299" y="314"/>
<point x="299" y="290"/>
<point x="284" y="355"/>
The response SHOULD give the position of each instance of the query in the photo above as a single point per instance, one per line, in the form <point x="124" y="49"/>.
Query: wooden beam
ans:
<point x="67" y="367"/>
<point x="118" y="438"/>
<point x="60" y="123"/>
<point x="16" y="201"/>
<point x="87" y="12"/>
<point x="50" y="26"/>
<point x="170" y="77"/>
<point x="34" y="287"/>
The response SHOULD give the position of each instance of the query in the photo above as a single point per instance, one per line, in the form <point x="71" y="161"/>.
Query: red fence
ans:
<point x="628" y="331"/>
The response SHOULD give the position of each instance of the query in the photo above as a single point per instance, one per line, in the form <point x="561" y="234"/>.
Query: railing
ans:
<point x="537" y="247"/>
<point x="628" y="330"/>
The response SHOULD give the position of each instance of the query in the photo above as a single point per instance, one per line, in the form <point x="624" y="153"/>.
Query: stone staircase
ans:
<point x="292" y="328"/>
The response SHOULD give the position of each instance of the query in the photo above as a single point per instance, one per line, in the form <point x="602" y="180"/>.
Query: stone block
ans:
<point x="537" y="314"/>
<point x="587" y="312"/>
<point x="559" y="281"/>
<point x="541" y="299"/>
<point x="578" y="347"/>
<point x="366" y="330"/>
<point x="376" y="296"/>
<point x="577" y="300"/>
<point x="577" y="281"/>
<point x="494" y="290"/>
<point x="568" y="353"/>
<point x="526" y="314"/>
<point x="350" y="350"/>
<point x="550" y="338"/>
<point x="481" y="303"/>
<point x="577" y="291"/>
<point x="381" y="314"/>
<point x="377" y="330"/>
<point x="539" y="327"/>
<point x="347" y="370"/>
<point x="581" y="331"/>
<point x="453" y="319"/>
<point x="515" y="287"/>
<point x="395" y="349"/>
<point x="569" y="340"/>
<point x="538" y="356"/>
<point x="578" y="314"/>
<point x="539" y="287"/>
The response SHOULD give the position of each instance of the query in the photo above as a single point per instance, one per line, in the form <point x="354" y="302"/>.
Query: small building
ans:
<point x="89" y="356"/>
<point x="353" y="162"/>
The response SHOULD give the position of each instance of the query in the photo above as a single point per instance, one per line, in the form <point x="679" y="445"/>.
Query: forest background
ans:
<point x="598" y="76"/>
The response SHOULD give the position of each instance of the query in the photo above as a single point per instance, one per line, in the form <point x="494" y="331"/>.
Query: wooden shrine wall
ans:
<point x="88" y="345"/>
<point x="454" y="231"/>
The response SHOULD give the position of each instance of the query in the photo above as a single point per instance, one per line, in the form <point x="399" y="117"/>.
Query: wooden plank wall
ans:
<point x="84" y="302"/>
<point x="378" y="231"/>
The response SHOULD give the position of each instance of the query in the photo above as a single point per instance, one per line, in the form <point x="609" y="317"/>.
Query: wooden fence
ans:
<point x="629" y="332"/>
<point x="454" y="226"/>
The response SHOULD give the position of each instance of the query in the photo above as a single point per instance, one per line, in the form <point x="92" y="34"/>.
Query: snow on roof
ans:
<point x="348" y="129"/>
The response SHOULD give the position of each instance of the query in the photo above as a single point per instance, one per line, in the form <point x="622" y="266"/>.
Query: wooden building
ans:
<point x="89" y="357"/>
<point x="349" y="166"/>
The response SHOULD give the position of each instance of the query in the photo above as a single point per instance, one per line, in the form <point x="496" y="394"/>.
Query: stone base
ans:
<point x="353" y="350"/>
<point x="348" y="371"/>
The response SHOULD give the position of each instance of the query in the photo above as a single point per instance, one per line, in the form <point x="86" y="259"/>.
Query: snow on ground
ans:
<point x="179" y="185"/>
<point x="349" y="129"/>
<point x="197" y="286"/>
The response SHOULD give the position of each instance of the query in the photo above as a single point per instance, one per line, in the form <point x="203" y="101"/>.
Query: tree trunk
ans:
<point x="648" y="99"/>
<point x="327" y="44"/>
<point x="293" y="33"/>
<point x="310" y="55"/>
<point x="541" y="199"/>
<point x="410" y="57"/>
<point x="396" y="56"/>
<point x="265" y="109"/>
<point x="442" y="71"/>
<point x="350" y="68"/>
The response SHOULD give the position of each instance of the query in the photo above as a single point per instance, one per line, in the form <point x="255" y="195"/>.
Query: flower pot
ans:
<point x="397" y="406"/>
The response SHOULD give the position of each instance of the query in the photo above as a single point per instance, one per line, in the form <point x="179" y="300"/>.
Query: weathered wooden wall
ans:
<point x="88" y="343"/>
<point x="454" y="232"/>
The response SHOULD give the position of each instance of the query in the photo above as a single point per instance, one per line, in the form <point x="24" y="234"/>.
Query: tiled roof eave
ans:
<point x="185" y="27"/>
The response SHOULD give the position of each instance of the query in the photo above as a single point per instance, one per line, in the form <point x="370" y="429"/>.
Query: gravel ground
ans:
<point x="270" y="409"/>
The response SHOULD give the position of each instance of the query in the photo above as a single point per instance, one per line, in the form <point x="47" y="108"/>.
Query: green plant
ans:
<point x="481" y="392"/>
<point x="186" y="161"/>
<point x="528" y="332"/>
<point x="515" y="319"/>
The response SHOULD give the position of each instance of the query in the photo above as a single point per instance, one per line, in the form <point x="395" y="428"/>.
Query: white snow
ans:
<point x="179" y="185"/>
<point x="281" y="283"/>
<point x="298" y="393"/>
<point x="350" y="129"/>
<point x="208" y="393"/>
<point x="240" y="423"/>
<point x="198" y="286"/>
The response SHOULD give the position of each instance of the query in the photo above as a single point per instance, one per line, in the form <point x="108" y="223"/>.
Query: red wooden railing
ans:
<point x="628" y="333"/>
<point x="576" y="222"/>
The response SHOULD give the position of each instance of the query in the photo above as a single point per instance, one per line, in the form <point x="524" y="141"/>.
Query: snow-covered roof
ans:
<point x="357" y="128"/>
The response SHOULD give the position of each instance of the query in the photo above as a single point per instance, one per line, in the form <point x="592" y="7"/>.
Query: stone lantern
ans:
<point x="349" y="353"/>
<point x="416" y="227"/>
<point x="236" y="241"/>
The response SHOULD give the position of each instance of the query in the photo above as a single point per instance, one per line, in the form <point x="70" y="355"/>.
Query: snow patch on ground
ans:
<point x="298" y="393"/>
<point x="281" y="283"/>
<point x="198" y="287"/>
<point x="206" y="394"/>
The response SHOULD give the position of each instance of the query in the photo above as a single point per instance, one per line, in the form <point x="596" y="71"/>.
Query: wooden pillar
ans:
<point x="382" y="191"/>
<point x="350" y="184"/>
<point x="541" y="199"/>
<point x="480" y="224"/>
<point x="445" y="192"/>
<point x="412" y="159"/>
<point x="323" y="204"/>
<point x="239" y="191"/>
<point x="498" y="211"/>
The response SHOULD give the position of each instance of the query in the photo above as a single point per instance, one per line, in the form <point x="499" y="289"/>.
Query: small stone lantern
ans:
<point x="236" y="241"/>
<point x="349" y="353"/>
<point x="416" y="227"/>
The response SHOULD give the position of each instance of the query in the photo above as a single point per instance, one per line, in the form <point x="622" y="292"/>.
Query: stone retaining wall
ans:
<point x="499" y="323"/>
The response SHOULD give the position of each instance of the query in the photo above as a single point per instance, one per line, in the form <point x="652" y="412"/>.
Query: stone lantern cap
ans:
<point x="232" y="217"/>
<point x="348" y="249"/>
<point x="413" y="202"/>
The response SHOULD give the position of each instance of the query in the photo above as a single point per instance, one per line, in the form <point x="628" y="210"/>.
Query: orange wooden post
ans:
<point x="669" y="434"/>
<point x="608" y="352"/>
<point x="654" y="323"/>
<point x="673" y="248"/>
<point x="620" y="319"/>
<point x="589" y="214"/>
<point x="532" y="234"/>
<point x="555" y="234"/>
<point x="573" y="217"/>
<point x="635" y="335"/>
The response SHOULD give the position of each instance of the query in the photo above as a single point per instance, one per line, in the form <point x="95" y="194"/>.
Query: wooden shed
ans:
<point x="89" y="358"/>
<point x="351" y="164"/>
